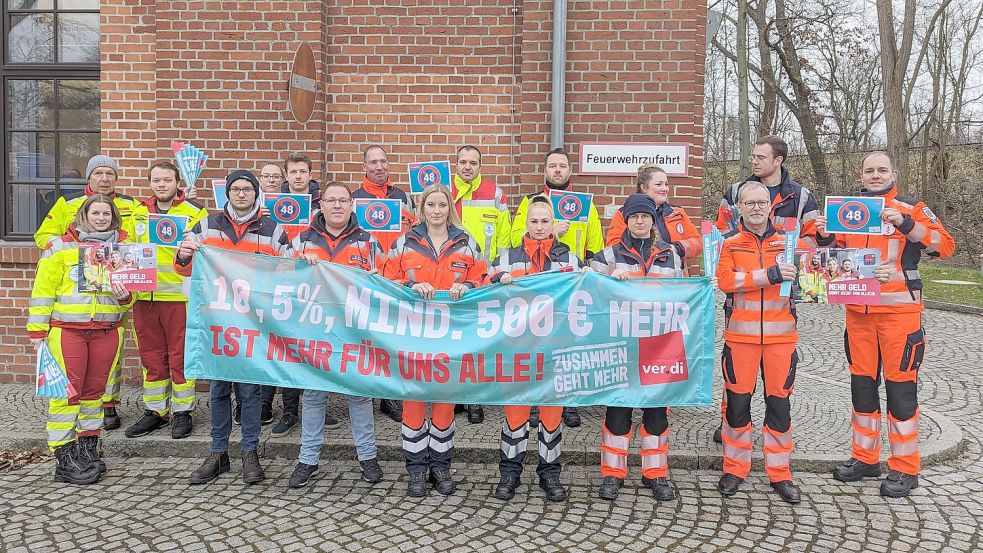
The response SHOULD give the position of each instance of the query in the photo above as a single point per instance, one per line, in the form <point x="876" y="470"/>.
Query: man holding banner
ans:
<point x="889" y="336"/>
<point x="335" y="236"/>
<point x="640" y="253"/>
<point x="159" y="316"/>
<point x="377" y="184"/>
<point x="240" y="227"/>
<point x="540" y="251"/>
<point x="760" y="334"/>
<point x="484" y="212"/>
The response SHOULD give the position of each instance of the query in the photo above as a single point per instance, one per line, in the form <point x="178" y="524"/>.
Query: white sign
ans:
<point x="624" y="158"/>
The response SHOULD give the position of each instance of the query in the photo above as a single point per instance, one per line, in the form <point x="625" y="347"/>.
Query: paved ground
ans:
<point x="144" y="503"/>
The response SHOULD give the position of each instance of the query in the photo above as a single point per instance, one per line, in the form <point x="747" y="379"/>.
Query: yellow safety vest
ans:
<point x="484" y="212"/>
<point x="169" y="283"/>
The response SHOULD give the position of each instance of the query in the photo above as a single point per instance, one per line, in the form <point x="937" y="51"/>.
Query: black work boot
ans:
<point x="417" y="486"/>
<point x="854" y="470"/>
<point x="265" y="413"/>
<point x="661" y="488"/>
<point x="716" y="434"/>
<point x="534" y="417"/>
<point x="215" y="464"/>
<point x="506" y="487"/>
<point x="571" y="417"/>
<point x="88" y="447"/>
<point x="72" y="470"/>
<point x="610" y="486"/>
<point x="553" y="488"/>
<point x="181" y="425"/>
<point x="729" y="484"/>
<point x="110" y="418"/>
<point x="393" y="408"/>
<point x="252" y="471"/>
<point x="788" y="491"/>
<point x="149" y="422"/>
<point x="898" y="484"/>
<point x="476" y="414"/>
<point x="442" y="481"/>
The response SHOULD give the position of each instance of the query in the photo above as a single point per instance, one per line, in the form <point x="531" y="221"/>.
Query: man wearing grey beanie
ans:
<point x="101" y="173"/>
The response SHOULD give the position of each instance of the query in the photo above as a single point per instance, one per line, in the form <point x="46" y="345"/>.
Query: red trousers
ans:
<point x="160" y="327"/>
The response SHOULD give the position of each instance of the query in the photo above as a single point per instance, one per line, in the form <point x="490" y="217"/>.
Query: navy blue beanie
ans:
<point x="639" y="203"/>
<point x="240" y="174"/>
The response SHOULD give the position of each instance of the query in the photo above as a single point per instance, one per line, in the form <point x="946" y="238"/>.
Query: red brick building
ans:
<point x="420" y="78"/>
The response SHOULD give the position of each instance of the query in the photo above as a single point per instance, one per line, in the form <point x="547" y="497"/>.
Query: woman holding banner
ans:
<point x="672" y="223"/>
<point x="83" y="332"/>
<point x="539" y="251"/>
<point x="436" y="254"/>
<point x="639" y="253"/>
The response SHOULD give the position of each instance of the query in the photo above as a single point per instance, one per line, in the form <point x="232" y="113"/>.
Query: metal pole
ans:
<point x="559" y="72"/>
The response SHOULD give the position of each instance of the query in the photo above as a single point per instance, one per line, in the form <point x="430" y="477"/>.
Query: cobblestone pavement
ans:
<point x="144" y="503"/>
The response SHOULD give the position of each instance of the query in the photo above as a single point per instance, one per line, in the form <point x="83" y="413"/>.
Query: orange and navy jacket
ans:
<point x="674" y="226"/>
<point x="663" y="260"/>
<point x="353" y="247"/>
<point x="755" y="312"/>
<point x="387" y="191"/>
<point x="920" y="232"/>
<point x="533" y="256"/>
<point x="789" y="200"/>
<point x="413" y="259"/>
<point x="259" y="234"/>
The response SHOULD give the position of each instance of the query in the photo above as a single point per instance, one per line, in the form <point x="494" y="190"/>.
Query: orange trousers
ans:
<point x="741" y="364"/>
<point x="894" y="343"/>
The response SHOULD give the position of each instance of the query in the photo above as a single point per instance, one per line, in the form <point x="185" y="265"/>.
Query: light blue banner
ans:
<point x="558" y="338"/>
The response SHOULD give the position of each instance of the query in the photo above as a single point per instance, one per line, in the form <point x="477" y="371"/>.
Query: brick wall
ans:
<point x="420" y="80"/>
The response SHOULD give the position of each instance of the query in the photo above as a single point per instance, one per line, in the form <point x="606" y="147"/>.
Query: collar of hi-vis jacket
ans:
<point x="768" y="231"/>
<point x="380" y="191"/>
<point x="888" y="193"/>
<point x="465" y="188"/>
<point x="90" y="192"/>
<point x="419" y="233"/>
<point x="151" y="202"/>
<point x="320" y="226"/>
<point x="242" y="229"/>
<point x="657" y="251"/>
<point x="785" y="190"/>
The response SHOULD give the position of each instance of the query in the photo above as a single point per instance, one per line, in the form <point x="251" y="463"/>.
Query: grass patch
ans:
<point x="951" y="293"/>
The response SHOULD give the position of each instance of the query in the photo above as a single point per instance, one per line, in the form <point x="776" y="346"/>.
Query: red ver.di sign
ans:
<point x="378" y="215"/>
<point x="289" y="209"/>
<point x="571" y="206"/>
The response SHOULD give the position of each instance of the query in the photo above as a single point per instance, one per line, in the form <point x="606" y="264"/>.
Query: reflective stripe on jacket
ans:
<point x="484" y="212"/>
<point x="412" y="259"/>
<point x="56" y="300"/>
<point x="257" y="235"/>
<point x="63" y="213"/>
<point x="353" y="247"/>
<point x="518" y="261"/>
<point x="748" y="273"/>
<point x="674" y="226"/>
<point x="663" y="260"/>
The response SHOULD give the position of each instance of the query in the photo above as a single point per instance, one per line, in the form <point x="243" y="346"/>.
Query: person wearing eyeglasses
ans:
<point x="334" y="236"/>
<point x="759" y="336"/>
<point x="789" y="199"/>
<point x="241" y="227"/>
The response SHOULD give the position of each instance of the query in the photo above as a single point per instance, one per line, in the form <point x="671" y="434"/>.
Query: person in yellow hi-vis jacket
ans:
<point x="84" y="333"/>
<point x="159" y="316"/>
<point x="583" y="239"/>
<point x="101" y="173"/>
<point x="484" y="212"/>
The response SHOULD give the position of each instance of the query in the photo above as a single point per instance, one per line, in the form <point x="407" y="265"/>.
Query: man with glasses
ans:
<point x="377" y="184"/>
<point x="240" y="226"/>
<point x="334" y="236"/>
<point x="789" y="200"/>
<point x="101" y="174"/>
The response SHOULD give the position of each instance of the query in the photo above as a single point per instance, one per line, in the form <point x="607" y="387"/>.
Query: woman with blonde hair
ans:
<point x="436" y="254"/>
<point x="83" y="332"/>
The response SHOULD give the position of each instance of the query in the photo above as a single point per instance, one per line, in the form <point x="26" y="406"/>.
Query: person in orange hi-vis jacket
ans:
<point x="639" y="253"/>
<point x="889" y="336"/>
<point x="759" y="334"/>
<point x="436" y="254"/>
<point x="539" y="251"/>
<point x="675" y="227"/>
